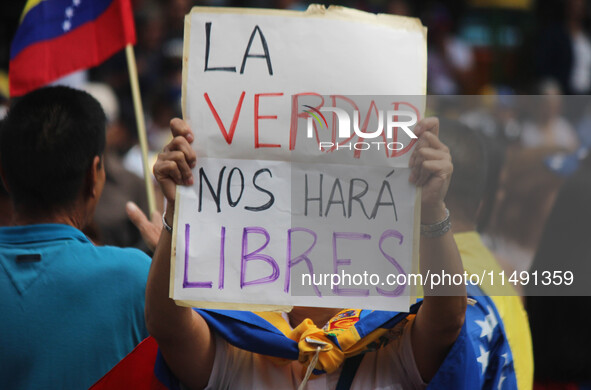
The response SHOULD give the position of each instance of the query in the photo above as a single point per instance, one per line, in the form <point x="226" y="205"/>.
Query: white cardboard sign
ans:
<point x="283" y="200"/>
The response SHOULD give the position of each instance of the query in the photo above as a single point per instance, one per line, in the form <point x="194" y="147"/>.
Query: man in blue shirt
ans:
<point x="70" y="310"/>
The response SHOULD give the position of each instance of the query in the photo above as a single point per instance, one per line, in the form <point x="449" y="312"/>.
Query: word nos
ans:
<point x="390" y="143"/>
<point x="233" y="199"/>
<point x="344" y="127"/>
<point x="248" y="256"/>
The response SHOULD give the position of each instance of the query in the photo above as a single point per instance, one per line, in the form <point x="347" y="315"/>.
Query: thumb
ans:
<point x="137" y="216"/>
<point x="150" y="230"/>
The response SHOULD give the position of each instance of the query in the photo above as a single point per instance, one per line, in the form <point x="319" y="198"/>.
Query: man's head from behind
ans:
<point x="51" y="148"/>
<point x="469" y="181"/>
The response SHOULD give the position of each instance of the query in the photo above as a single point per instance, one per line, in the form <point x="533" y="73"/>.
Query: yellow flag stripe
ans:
<point x="30" y="4"/>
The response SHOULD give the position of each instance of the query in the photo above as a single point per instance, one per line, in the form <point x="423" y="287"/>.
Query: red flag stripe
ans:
<point x="135" y="371"/>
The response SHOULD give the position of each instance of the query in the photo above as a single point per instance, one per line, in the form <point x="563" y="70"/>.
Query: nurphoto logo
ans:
<point x="394" y="119"/>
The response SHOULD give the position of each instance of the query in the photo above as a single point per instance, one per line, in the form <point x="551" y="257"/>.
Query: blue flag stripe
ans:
<point x="46" y="21"/>
<point x="248" y="331"/>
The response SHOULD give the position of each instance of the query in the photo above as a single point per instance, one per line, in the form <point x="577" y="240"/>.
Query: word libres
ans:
<point x="249" y="256"/>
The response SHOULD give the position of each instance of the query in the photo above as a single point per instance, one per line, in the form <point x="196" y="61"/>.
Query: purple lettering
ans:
<point x="186" y="282"/>
<point x="222" y="258"/>
<point x="291" y="262"/>
<point x="256" y="255"/>
<point x="338" y="262"/>
<point x="399" y="289"/>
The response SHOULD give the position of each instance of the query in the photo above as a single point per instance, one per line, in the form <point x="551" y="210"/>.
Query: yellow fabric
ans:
<point x="514" y="4"/>
<point x="4" y="89"/>
<point x="341" y="326"/>
<point x="30" y="4"/>
<point x="477" y="258"/>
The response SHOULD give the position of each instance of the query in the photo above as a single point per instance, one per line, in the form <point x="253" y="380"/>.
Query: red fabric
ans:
<point x="85" y="47"/>
<point x="135" y="371"/>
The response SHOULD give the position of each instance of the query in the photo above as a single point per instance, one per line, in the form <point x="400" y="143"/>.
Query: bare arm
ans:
<point x="440" y="318"/>
<point x="183" y="336"/>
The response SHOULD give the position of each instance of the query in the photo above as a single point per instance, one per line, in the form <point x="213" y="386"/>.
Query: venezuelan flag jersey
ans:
<point x="478" y="259"/>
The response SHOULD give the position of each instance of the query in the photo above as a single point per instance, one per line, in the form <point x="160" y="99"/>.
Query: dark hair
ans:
<point x="469" y="180"/>
<point x="555" y="320"/>
<point x="47" y="144"/>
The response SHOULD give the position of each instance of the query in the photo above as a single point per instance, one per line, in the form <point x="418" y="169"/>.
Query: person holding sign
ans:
<point x="418" y="347"/>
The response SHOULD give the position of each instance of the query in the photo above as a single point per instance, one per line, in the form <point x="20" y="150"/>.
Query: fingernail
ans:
<point x="130" y="206"/>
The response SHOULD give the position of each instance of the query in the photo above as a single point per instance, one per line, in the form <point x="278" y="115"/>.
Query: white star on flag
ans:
<point x="488" y="325"/>
<point x="69" y="12"/>
<point x="483" y="358"/>
<point x="66" y="25"/>
<point x="501" y="380"/>
<point x="76" y="3"/>
<point x="486" y="329"/>
<point x="505" y="357"/>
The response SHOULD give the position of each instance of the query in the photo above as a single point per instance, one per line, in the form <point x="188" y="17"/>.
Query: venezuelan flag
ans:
<point x="57" y="37"/>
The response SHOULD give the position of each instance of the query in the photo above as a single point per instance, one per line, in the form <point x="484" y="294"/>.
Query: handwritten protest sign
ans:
<point x="303" y="125"/>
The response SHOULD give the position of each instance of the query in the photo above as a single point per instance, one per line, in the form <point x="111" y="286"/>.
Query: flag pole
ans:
<point x="141" y="125"/>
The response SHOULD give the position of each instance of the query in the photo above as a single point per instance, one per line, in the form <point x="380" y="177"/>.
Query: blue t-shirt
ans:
<point x="69" y="310"/>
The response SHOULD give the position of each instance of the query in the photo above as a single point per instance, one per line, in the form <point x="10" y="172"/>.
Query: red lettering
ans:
<point x="227" y="135"/>
<point x="257" y="117"/>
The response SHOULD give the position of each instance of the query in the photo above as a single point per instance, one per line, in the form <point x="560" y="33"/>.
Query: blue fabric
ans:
<point x="71" y="316"/>
<point x="381" y="319"/>
<point x="164" y="375"/>
<point x="248" y="331"/>
<point x="481" y="357"/>
<point x="46" y="21"/>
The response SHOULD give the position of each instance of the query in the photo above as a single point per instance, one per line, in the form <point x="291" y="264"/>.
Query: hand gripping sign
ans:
<point x="303" y="124"/>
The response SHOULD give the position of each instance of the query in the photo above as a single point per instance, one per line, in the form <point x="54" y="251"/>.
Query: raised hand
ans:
<point x="431" y="169"/>
<point x="174" y="164"/>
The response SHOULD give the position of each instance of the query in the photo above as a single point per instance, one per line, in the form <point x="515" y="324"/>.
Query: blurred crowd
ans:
<point x="526" y="59"/>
